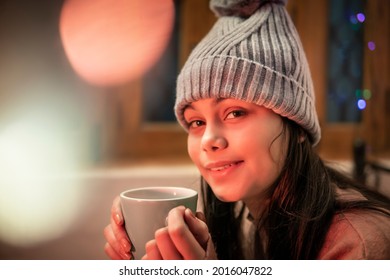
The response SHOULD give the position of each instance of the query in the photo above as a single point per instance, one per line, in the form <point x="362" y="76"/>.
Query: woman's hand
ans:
<point x="118" y="245"/>
<point x="185" y="237"/>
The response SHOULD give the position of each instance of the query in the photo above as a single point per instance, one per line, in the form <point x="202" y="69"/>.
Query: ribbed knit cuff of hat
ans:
<point x="256" y="58"/>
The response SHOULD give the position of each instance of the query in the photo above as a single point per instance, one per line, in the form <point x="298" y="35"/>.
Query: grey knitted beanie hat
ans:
<point x="253" y="53"/>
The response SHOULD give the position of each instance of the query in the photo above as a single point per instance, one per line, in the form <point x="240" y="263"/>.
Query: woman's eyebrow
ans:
<point x="219" y="100"/>
<point x="189" y="106"/>
<point x="216" y="101"/>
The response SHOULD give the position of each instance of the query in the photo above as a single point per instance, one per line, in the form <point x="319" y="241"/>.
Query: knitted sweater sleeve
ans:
<point x="357" y="235"/>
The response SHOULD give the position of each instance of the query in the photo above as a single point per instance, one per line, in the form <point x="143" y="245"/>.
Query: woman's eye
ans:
<point x="196" y="123"/>
<point x="235" y="114"/>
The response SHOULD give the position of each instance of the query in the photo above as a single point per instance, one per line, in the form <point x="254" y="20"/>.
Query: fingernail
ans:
<point x="126" y="256"/>
<point x="190" y="213"/>
<point x="118" y="219"/>
<point x="125" y="245"/>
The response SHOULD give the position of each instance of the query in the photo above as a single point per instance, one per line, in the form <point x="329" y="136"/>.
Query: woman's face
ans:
<point x="237" y="146"/>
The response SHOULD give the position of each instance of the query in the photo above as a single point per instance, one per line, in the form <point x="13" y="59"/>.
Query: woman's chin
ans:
<point x="227" y="197"/>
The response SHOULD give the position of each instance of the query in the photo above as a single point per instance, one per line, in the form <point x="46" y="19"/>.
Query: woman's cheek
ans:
<point x="193" y="149"/>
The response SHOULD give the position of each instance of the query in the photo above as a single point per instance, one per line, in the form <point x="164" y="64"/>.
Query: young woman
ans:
<point x="246" y="98"/>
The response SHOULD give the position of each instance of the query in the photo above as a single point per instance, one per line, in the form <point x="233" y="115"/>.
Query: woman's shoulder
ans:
<point x="358" y="234"/>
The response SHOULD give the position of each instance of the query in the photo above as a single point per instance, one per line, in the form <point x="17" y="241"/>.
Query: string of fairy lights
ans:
<point x="362" y="95"/>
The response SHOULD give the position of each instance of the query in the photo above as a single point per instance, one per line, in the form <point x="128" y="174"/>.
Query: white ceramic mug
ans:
<point x="145" y="210"/>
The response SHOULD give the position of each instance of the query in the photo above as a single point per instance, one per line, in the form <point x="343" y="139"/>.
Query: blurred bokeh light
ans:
<point x="109" y="43"/>
<point x="46" y="115"/>
<point x="40" y="157"/>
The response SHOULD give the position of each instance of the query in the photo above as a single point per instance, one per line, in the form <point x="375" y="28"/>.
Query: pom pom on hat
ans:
<point x="255" y="56"/>
<point x="241" y="8"/>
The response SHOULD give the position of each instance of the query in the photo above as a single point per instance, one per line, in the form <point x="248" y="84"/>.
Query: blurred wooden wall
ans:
<point x="376" y="122"/>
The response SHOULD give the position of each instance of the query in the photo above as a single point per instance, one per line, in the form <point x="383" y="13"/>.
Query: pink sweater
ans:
<point x="357" y="235"/>
<point x="354" y="235"/>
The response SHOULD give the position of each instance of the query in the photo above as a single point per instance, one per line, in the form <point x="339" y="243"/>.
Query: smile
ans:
<point x="221" y="166"/>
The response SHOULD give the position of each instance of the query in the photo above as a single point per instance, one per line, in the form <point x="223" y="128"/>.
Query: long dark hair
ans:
<point x="302" y="204"/>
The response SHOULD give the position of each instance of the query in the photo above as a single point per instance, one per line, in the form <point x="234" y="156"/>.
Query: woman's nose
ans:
<point x="213" y="139"/>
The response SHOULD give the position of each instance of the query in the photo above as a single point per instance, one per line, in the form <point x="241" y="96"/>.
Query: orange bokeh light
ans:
<point x="111" y="42"/>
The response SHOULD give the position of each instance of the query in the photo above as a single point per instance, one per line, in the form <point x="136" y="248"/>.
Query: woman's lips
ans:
<point x="222" y="166"/>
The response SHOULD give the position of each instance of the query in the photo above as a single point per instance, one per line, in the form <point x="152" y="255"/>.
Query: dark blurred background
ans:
<point x="68" y="147"/>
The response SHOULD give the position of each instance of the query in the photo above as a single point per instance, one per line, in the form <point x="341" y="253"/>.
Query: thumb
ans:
<point x="209" y="246"/>
<point x="198" y="227"/>
<point x="201" y="216"/>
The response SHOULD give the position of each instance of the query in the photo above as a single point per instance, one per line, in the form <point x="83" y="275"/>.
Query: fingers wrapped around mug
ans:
<point x="118" y="245"/>
<point x="152" y="251"/>
<point x="184" y="237"/>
